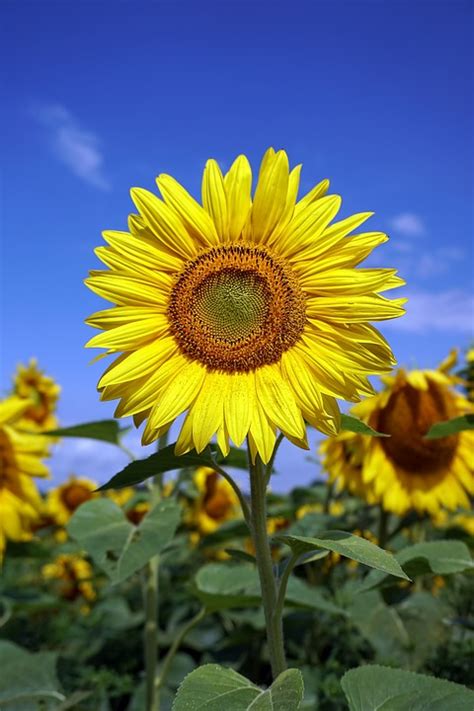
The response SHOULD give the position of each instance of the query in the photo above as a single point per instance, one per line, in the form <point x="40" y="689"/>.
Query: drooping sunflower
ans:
<point x="246" y="313"/>
<point x="42" y="392"/>
<point x="215" y="504"/>
<point x="342" y="458"/>
<point x="21" y="457"/>
<point x="406" y="471"/>
<point x="63" y="500"/>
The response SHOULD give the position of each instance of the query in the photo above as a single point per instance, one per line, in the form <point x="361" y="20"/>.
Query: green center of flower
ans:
<point x="236" y="308"/>
<point x="232" y="304"/>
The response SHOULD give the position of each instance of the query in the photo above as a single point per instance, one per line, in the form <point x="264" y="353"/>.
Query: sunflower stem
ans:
<point x="263" y="555"/>
<point x="151" y="606"/>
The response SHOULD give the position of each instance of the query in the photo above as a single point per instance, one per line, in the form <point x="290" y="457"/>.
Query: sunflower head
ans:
<point x="63" y="500"/>
<point x="215" y="503"/>
<point x="342" y="458"/>
<point x="42" y="391"/>
<point x="406" y="470"/>
<point x="248" y="312"/>
<point x="73" y="575"/>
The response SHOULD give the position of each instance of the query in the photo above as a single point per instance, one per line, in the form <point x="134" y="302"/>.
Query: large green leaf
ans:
<point x="163" y="461"/>
<point x="348" y="545"/>
<point x="214" y="688"/>
<point x="451" y="427"/>
<point x="376" y="688"/>
<point x="438" y="557"/>
<point x="28" y="681"/>
<point x="103" y="430"/>
<point x="116" y="545"/>
<point x="222" y="587"/>
<point x="353" y="424"/>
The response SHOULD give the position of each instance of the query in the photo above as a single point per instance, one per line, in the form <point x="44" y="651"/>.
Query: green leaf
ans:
<point x="221" y="587"/>
<point x="213" y="688"/>
<point x="353" y="424"/>
<point x="103" y="430"/>
<point x="26" y="678"/>
<point x="377" y="688"/>
<point x="163" y="461"/>
<point x="451" y="427"/>
<point x="116" y="545"/>
<point x="438" y="557"/>
<point x="348" y="545"/>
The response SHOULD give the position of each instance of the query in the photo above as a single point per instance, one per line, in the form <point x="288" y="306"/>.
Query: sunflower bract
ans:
<point x="248" y="314"/>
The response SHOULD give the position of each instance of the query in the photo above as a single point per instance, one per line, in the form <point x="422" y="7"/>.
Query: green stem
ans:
<point x="265" y="566"/>
<point x="168" y="660"/>
<point x="269" y="467"/>
<point x="151" y="606"/>
<point x="280" y="603"/>
<point x="243" y="503"/>
<point x="383" y="526"/>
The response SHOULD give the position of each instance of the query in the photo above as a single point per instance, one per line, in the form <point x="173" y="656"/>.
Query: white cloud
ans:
<point x="450" y="311"/>
<point x="409" y="224"/>
<point x="77" y="148"/>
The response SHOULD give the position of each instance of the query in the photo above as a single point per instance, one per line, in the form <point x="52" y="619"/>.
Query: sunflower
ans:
<point x="73" y="573"/>
<point x="406" y="471"/>
<point x="215" y="504"/>
<point x="342" y="458"/>
<point x="63" y="500"/>
<point x="247" y="314"/>
<point x="42" y="391"/>
<point x="20" y="460"/>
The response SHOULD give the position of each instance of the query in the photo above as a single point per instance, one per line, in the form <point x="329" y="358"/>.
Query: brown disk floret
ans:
<point x="236" y="308"/>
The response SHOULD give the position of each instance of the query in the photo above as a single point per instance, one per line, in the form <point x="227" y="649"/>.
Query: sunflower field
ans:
<point x="242" y="321"/>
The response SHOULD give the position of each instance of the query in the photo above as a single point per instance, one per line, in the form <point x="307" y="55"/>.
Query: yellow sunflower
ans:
<point x="42" y="391"/>
<point x="74" y="574"/>
<point x="407" y="471"/>
<point x="342" y="458"/>
<point x="247" y="313"/>
<point x="215" y="504"/>
<point x="20" y="460"/>
<point x="63" y="500"/>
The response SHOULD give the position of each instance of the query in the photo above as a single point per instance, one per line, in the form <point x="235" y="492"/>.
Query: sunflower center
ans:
<point x="75" y="495"/>
<point x="407" y="417"/>
<point x="236" y="307"/>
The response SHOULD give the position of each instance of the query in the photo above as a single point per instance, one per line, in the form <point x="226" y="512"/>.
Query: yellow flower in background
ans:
<point x="406" y="471"/>
<point x="247" y="313"/>
<point x="74" y="575"/>
<point x="460" y="519"/>
<point x="342" y="457"/>
<point x="336" y="508"/>
<point x="21" y="457"/>
<point x="63" y="500"/>
<point x="215" y="504"/>
<point x="42" y="391"/>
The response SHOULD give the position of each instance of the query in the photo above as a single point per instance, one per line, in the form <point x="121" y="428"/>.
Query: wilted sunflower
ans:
<point x="406" y="471"/>
<point x="247" y="313"/>
<point x="20" y="460"/>
<point x="42" y="391"/>
<point x="63" y="500"/>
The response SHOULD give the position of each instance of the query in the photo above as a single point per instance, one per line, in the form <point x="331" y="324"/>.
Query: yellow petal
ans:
<point x="238" y="405"/>
<point x="178" y="395"/>
<point x="120" y="315"/>
<point x="143" y="250"/>
<point x="131" y="335"/>
<point x="126" y="290"/>
<point x="214" y="197"/>
<point x="314" y="194"/>
<point x="354" y="308"/>
<point x="164" y="223"/>
<point x="276" y="399"/>
<point x="270" y="195"/>
<point x="144" y="395"/>
<point x="307" y="227"/>
<point x="347" y="281"/>
<point x="293" y="186"/>
<point x="190" y="212"/>
<point x="208" y="409"/>
<point x="139" y="363"/>
<point x="261" y="436"/>
<point x="238" y="186"/>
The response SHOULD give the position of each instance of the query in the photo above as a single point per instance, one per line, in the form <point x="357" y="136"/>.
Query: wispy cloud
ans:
<point x="408" y="224"/>
<point x="450" y="311"/>
<point x="74" y="146"/>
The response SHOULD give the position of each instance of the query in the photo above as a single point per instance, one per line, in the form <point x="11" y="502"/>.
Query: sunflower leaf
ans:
<point x="353" y="424"/>
<point x="115" y="544"/>
<point x="163" y="461"/>
<point x="377" y="688"/>
<point x="348" y="545"/>
<point x="27" y="678"/>
<point x="451" y="427"/>
<point x="102" y="430"/>
<point x="212" y="687"/>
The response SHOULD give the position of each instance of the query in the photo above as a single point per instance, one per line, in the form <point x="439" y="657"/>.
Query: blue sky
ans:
<point x="102" y="96"/>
